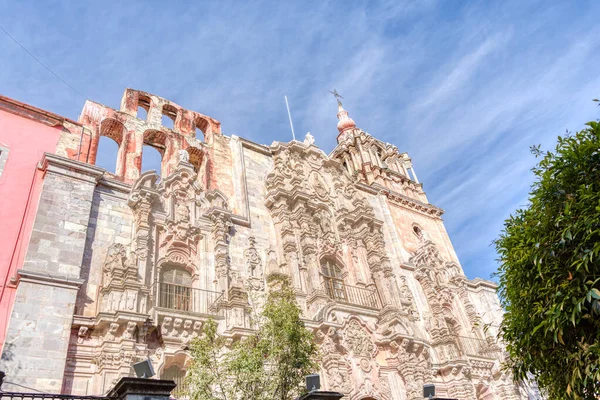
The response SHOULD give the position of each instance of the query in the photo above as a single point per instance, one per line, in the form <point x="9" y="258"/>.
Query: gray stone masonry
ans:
<point x="37" y="339"/>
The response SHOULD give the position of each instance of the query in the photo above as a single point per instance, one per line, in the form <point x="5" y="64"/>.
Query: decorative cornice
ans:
<point x="259" y="148"/>
<point x="64" y="166"/>
<point x="407" y="202"/>
<point x="479" y="283"/>
<point x="44" y="278"/>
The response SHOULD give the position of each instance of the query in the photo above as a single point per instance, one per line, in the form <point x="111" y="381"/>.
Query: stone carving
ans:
<point x="357" y="340"/>
<point x="130" y="330"/>
<point x="337" y="379"/>
<point x="184" y="156"/>
<point x="82" y="334"/>
<point x="182" y="213"/>
<point x="112" y="332"/>
<point x="115" y="258"/>
<point x="319" y="185"/>
<point x="309" y="139"/>
<point x="253" y="260"/>
<point x="369" y="328"/>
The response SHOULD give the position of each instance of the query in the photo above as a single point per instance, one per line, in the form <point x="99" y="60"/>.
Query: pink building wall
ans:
<point x="27" y="135"/>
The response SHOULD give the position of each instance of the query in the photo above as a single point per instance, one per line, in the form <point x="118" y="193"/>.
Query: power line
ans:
<point x="41" y="63"/>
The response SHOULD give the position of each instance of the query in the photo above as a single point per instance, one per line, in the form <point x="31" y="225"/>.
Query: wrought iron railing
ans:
<point x="337" y="290"/>
<point x="479" y="347"/>
<point x="185" y="298"/>
<point x="48" y="396"/>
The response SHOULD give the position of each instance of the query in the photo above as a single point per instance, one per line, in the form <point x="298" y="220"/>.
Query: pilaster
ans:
<point x="38" y="333"/>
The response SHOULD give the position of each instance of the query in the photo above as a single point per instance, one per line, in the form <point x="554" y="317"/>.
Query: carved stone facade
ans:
<point x="374" y="269"/>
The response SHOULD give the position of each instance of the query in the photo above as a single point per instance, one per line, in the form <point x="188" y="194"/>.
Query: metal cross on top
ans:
<point x="337" y="96"/>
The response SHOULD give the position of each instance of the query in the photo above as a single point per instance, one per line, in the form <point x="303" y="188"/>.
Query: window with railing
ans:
<point x="176" y="374"/>
<point x="338" y="290"/>
<point x="334" y="281"/>
<point x="176" y="290"/>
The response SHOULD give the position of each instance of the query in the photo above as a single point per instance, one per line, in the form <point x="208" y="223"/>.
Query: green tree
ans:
<point x="269" y="364"/>
<point x="550" y="272"/>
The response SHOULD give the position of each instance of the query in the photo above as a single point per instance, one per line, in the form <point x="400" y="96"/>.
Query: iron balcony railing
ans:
<point x="184" y="298"/>
<point x="337" y="290"/>
<point x="479" y="348"/>
<point x="48" y="396"/>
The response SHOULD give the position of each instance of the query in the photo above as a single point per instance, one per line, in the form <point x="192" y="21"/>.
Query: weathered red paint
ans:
<point x="28" y="136"/>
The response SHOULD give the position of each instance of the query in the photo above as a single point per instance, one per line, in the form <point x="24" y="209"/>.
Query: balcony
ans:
<point x="480" y="348"/>
<point x="338" y="291"/>
<point x="186" y="299"/>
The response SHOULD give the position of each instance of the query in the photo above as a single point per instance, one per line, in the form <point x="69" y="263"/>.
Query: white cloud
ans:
<point x="464" y="88"/>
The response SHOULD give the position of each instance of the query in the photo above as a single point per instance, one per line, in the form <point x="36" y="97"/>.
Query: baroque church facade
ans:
<point x="127" y="266"/>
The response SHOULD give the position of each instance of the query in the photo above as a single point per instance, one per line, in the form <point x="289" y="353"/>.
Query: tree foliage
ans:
<point x="270" y="364"/>
<point x="550" y="272"/>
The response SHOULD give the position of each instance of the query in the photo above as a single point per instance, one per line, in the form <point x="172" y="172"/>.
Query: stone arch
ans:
<point x="115" y="130"/>
<point x="171" y="112"/>
<point x="201" y="125"/>
<point x="174" y="367"/>
<point x="484" y="392"/>
<point x="177" y="257"/>
<point x="144" y="102"/>
<point x="160" y="141"/>
<point x="108" y="149"/>
<point x="196" y="157"/>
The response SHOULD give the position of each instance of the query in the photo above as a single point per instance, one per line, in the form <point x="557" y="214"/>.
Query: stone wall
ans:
<point x="131" y="266"/>
<point x="38" y="335"/>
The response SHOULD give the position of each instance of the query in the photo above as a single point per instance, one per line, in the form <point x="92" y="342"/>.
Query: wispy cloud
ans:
<point x="465" y="88"/>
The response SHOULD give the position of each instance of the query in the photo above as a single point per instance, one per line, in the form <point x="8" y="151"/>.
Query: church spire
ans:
<point x="345" y="122"/>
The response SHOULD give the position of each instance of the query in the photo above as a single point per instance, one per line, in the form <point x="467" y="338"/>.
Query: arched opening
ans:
<point x="108" y="151"/>
<point x="334" y="280"/>
<point x="417" y="231"/>
<point x="176" y="289"/>
<point x="201" y="125"/>
<point x="143" y="107"/>
<point x="106" y="156"/>
<point x="345" y="164"/>
<point x="155" y="145"/>
<point x="169" y="116"/>
<point x="196" y="156"/>
<point x="151" y="159"/>
<point x="177" y="374"/>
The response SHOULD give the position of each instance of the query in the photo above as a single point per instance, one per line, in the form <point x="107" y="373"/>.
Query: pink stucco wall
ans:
<point x="27" y="140"/>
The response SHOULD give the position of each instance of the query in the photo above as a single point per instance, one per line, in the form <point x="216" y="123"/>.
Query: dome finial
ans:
<point x="337" y="97"/>
<point x="345" y="122"/>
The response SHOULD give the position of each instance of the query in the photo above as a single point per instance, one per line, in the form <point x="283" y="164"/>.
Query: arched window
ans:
<point x="176" y="289"/>
<point x="169" y="115"/>
<point x="155" y="145"/>
<point x="177" y="374"/>
<point x="334" y="281"/>
<point x="418" y="231"/>
<point x="345" y="164"/>
<point x="143" y="107"/>
<point x="151" y="159"/>
<point x="108" y="150"/>
<point x="201" y="126"/>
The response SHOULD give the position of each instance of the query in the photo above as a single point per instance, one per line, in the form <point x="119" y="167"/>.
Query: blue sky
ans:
<point x="464" y="87"/>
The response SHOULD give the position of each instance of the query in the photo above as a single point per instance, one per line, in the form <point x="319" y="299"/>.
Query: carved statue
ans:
<point x="182" y="212"/>
<point x="130" y="330"/>
<point x="112" y="332"/>
<point x="184" y="156"/>
<point x="309" y="139"/>
<point x="253" y="260"/>
<point x="325" y="222"/>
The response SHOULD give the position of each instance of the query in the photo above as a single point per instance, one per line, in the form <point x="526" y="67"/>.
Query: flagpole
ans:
<point x="290" y="116"/>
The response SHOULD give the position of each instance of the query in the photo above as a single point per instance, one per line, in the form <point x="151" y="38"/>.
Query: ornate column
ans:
<point x="141" y="200"/>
